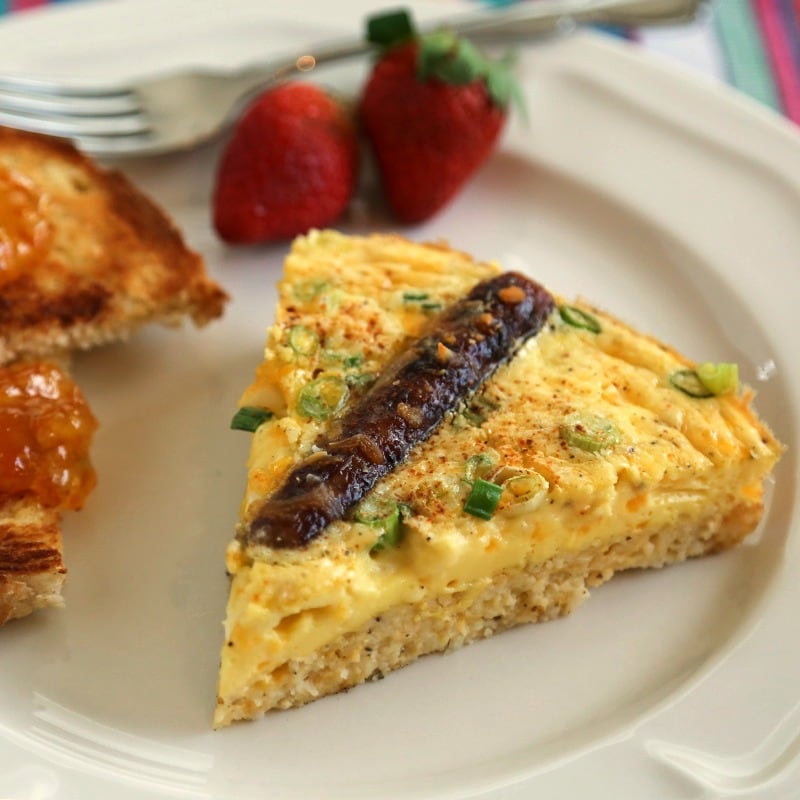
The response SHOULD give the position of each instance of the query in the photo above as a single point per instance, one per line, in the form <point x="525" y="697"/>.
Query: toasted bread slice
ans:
<point x="85" y="257"/>
<point x="599" y="463"/>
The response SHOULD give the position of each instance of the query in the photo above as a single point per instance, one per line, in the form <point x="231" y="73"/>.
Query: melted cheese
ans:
<point x="676" y="456"/>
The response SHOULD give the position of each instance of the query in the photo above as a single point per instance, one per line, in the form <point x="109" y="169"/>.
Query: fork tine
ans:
<point x="72" y="127"/>
<point x="70" y="105"/>
<point x="118" y="146"/>
<point x="40" y="86"/>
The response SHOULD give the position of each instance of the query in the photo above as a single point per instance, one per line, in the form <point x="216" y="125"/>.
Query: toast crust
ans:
<point x="32" y="571"/>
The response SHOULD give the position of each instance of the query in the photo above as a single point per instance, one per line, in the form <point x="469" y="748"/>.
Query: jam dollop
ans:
<point x="46" y="428"/>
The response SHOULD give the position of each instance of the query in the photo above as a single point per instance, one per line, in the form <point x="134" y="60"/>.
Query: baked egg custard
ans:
<point x="589" y="449"/>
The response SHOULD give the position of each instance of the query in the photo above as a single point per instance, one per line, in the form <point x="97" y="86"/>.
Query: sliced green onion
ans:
<point x="391" y="537"/>
<point x="386" y="516"/>
<point x="477" y="412"/>
<point x="589" y="432"/>
<point x="414" y="297"/>
<point x="360" y="380"/>
<point x="688" y="381"/>
<point x="722" y="378"/>
<point x="523" y="493"/>
<point x="708" y="380"/>
<point x="249" y="418"/>
<point x="352" y="361"/>
<point x="579" y="319"/>
<point x="424" y="300"/>
<point x="478" y="466"/>
<point x="323" y="397"/>
<point x="304" y="341"/>
<point x="347" y="360"/>
<point x="373" y="510"/>
<point x="308" y="290"/>
<point x="483" y="499"/>
<point x="473" y="417"/>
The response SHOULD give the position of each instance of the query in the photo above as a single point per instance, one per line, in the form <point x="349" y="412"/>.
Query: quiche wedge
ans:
<point x="588" y="448"/>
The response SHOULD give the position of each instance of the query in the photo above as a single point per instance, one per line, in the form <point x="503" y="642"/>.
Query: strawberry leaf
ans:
<point x="434" y="51"/>
<point x="500" y="84"/>
<point x="442" y="55"/>
<point x="452" y="60"/>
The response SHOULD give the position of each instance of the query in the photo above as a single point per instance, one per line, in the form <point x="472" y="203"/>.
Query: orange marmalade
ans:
<point x="46" y="428"/>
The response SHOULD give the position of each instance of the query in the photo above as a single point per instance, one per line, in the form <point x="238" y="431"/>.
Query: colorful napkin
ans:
<point x="6" y="6"/>
<point x="761" y="45"/>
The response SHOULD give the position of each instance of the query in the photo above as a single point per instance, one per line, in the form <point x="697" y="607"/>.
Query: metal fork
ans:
<point x="181" y="110"/>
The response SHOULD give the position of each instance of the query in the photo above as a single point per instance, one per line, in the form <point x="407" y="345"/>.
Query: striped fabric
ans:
<point x="7" y="6"/>
<point x="756" y="44"/>
<point x="761" y="40"/>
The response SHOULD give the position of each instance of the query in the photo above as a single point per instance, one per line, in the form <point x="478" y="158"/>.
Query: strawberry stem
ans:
<point x="390" y="28"/>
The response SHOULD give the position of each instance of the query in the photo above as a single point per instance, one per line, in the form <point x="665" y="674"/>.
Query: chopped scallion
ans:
<point x="722" y="378"/>
<point x="523" y="493"/>
<point x="352" y="361"/>
<point x="478" y="410"/>
<point x="708" y="380"/>
<point x="360" y="379"/>
<point x="473" y="417"/>
<point x="304" y="341"/>
<point x="589" y="432"/>
<point x="386" y="516"/>
<point x="423" y="299"/>
<point x="478" y="466"/>
<point x="308" y="290"/>
<point x="249" y="418"/>
<point x="579" y="319"/>
<point x="323" y="397"/>
<point x="414" y="297"/>
<point x="483" y="499"/>
<point x="688" y="381"/>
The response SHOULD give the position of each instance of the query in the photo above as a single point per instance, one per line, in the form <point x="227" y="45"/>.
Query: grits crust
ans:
<point x="532" y="592"/>
<point x="684" y="479"/>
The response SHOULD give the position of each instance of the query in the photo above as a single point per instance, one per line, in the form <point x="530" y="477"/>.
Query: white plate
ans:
<point x="670" y="202"/>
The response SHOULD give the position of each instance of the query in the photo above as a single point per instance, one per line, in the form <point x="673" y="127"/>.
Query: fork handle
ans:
<point x="534" y="20"/>
<point x="526" y="21"/>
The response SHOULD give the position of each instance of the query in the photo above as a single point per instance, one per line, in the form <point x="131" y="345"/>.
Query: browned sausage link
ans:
<point x="470" y="339"/>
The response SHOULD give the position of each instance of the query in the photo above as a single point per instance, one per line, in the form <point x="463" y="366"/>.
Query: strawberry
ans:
<point x="290" y="165"/>
<point x="432" y="109"/>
